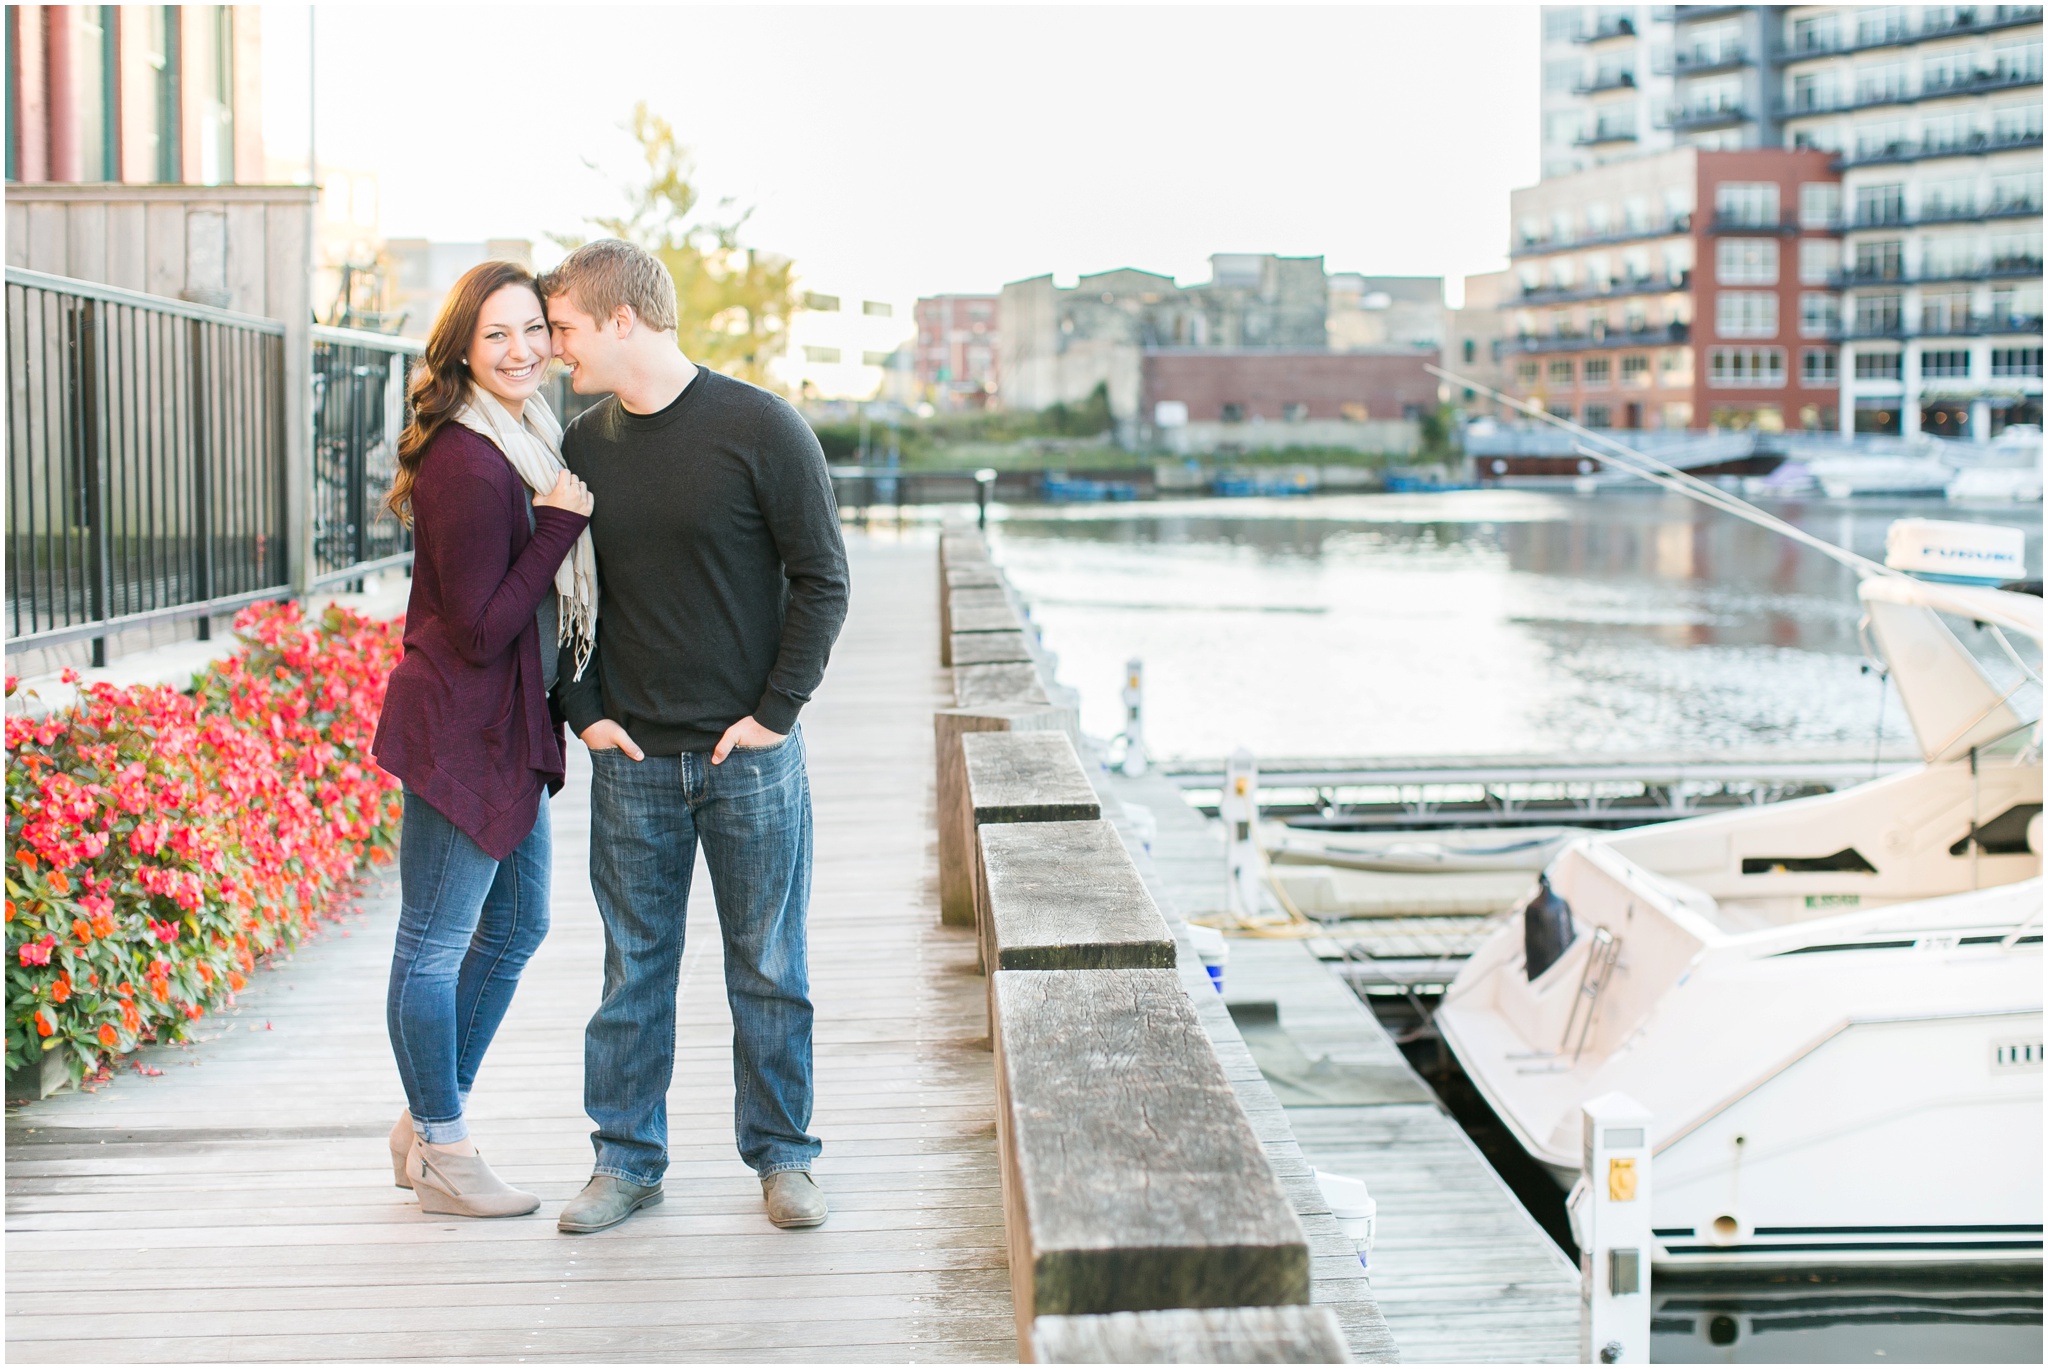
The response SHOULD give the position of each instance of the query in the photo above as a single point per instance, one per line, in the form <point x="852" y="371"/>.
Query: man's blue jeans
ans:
<point x="467" y="924"/>
<point x="753" y="815"/>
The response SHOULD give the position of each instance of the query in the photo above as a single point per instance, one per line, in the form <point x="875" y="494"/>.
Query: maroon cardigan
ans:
<point x="466" y="723"/>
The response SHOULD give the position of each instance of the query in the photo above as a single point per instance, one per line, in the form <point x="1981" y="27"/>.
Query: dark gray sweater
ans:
<point x="720" y="567"/>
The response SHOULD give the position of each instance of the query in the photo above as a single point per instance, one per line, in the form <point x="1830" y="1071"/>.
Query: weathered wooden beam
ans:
<point x="985" y="617"/>
<point x="988" y="648"/>
<point x="1132" y="1180"/>
<point x="1013" y="682"/>
<point x="1291" y="1334"/>
<point x="973" y="576"/>
<point x="1063" y="896"/>
<point x="955" y="814"/>
<point x="1027" y="776"/>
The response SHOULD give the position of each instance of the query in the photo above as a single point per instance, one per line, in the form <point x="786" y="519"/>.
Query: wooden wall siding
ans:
<point x="238" y="247"/>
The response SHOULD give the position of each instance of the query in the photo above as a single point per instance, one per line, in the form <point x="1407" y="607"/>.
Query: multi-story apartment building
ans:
<point x="1474" y="340"/>
<point x="957" y="341"/>
<point x="1607" y="84"/>
<point x="1665" y="292"/>
<point x="1932" y="114"/>
<point x="134" y="93"/>
<point x="843" y="346"/>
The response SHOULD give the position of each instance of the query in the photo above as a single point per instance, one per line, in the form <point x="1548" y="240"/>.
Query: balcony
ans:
<point x="1704" y="61"/>
<point x="1606" y="81"/>
<point x="1976" y="83"/>
<point x="1976" y="325"/>
<point x="1746" y="224"/>
<point x="1606" y="134"/>
<point x="1643" y="233"/>
<point x="1624" y="288"/>
<point x="1606" y="29"/>
<point x="1967" y="19"/>
<point x="2000" y="268"/>
<point x="1976" y="145"/>
<point x="1658" y="336"/>
<point x="1701" y="118"/>
<point x="1954" y="213"/>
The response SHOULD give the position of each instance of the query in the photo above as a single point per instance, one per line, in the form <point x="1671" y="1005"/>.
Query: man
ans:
<point x="723" y="584"/>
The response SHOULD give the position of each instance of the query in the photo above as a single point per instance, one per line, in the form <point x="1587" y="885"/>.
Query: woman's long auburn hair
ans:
<point x="440" y="382"/>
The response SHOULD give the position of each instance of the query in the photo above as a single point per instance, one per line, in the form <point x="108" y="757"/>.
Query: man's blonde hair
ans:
<point x="600" y="276"/>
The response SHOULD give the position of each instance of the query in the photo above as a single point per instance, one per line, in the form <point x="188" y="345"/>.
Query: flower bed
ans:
<point x="160" y="843"/>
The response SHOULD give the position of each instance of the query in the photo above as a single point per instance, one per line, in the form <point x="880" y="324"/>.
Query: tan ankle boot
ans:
<point x="401" y="1146"/>
<point x="463" y="1186"/>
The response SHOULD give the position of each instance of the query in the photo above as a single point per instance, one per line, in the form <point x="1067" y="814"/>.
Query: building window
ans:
<point x="96" y="70"/>
<point x="875" y="308"/>
<point x="1739" y="368"/>
<point x="1746" y="261"/>
<point x="1883" y="24"/>
<point x="1819" y="259"/>
<point x="1880" y="204"/>
<point x="1597" y="372"/>
<point x="1818" y="34"/>
<point x="1560" y="410"/>
<point x="821" y="304"/>
<point x="1599" y="416"/>
<point x="1635" y="369"/>
<point x="1561" y="372"/>
<point x="1527" y="373"/>
<point x="160" y="56"/>
<point x="1877" y="366"/>
<point x="822" y="356"/>
<point x="1877" y="314"/>
<point x="2015" y="363"/>
<point x="1746" y="313"/>
<point x="1233" y="413"/>
<point x="875" y="358"/>
<point x="211" y="71"/>
<point x="1674" y="367"/>
<point x="1747" y="203"/>
<point x="1470" y="349"/>
<point x="1819" y="315"/>
<point x="1820" y="204"/>
<point x="1819" y="367"/>
<point x="1948" y="364"/>
<point x="1883" y="259"/>
<point x="1294" y="413"/>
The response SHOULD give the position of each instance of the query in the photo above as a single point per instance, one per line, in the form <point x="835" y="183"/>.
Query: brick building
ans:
<point x="1207" y="400"/>
<point x="1681" y="290"/>
<point x="958" y="339"/>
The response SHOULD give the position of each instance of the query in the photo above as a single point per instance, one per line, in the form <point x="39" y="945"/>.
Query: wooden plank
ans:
<point x="1026" y="776"/>
<point x="127" y="255"/>
<point x="973" y="577"/>
<point x="954" y="811"/>
<point x="988" y="648"/>
<point x="985" y="618"/>
<point x="1065" y="896"/>
<point x="1131" y="1178"/>
<point x="164" y="251"/>
<point x="1220" y="1335"/>
<point x="49" y="239"/>
<point x="86" y="247"/>
<point x="1013" y="682"/>
<point x="248" y="253"/>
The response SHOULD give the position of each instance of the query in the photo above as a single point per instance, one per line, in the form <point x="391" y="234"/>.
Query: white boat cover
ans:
<point x="1952" y="704"/>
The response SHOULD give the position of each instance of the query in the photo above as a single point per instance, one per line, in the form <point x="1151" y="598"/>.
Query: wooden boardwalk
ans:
<point x="239" y="1206"/>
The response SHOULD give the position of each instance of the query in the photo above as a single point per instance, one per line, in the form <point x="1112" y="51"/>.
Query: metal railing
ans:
<point x="145" y="461"/>
<point x="359" y="382"/>
<point x="149" y="473"/>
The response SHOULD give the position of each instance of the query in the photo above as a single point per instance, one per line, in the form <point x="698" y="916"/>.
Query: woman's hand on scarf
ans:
<point x="569" y="494"/>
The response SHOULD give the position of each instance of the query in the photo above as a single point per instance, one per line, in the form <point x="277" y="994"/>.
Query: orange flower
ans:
<point x="60" y="990"/>
<point x="10" y="910"/>
<point x="162" y="990"/>
<point x="60" y="883"/>
<point x="131" y="1017"/>
<point x="28" y="858"/>
<point x="44" y="1026"/>
<point x="81" y="929"/>
<point x="108" y="1036"/>
<point x="236" y="980"/>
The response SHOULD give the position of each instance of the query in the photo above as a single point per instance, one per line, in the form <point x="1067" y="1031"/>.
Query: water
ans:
<point x="1494" y="622"/>
<point x="1485" y="622"/>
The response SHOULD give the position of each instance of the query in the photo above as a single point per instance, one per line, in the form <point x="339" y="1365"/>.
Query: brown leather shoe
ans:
<point x="794" y="1199"/>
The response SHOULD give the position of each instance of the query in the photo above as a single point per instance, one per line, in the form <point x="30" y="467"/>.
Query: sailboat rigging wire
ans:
<point x="1649" y="468"/>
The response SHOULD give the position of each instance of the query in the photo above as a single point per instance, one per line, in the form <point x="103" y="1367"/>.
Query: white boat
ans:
<point x="1997" y="484"/>
<point x="1844" y="477"/>
<point x="1830" y="1006"/>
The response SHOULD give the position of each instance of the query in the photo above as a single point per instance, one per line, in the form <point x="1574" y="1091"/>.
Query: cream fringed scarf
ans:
<point x="533" y="444"/>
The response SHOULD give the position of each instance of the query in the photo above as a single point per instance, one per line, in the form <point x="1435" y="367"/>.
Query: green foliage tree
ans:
<point x="734" y="302"/>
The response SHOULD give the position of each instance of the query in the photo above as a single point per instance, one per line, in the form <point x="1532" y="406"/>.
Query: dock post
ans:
<point x="1239" y="809"/>
<point x="1611" y="1210"/>
<point x="1134" y="717"/>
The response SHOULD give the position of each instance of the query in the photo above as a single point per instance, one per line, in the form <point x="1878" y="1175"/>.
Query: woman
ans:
<point x="503" y="597"/>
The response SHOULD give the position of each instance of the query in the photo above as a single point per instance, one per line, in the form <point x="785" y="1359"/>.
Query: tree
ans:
<point x="734" y="302"/>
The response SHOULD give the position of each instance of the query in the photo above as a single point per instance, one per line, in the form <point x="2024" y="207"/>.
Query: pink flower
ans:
<point x="37" y="952"/>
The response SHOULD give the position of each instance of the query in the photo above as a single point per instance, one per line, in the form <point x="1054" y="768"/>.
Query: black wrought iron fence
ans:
<point x="359" y="382"/>
<point x="145" y="461"/>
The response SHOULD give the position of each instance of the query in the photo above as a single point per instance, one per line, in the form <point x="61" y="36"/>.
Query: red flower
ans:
<point x="108" y="1036"/>
<point x="44" y="1026"/>
<point x="60" y="990"/>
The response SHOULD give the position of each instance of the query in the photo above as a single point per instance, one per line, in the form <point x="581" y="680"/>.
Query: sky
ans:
<point x="902" y="151"/>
